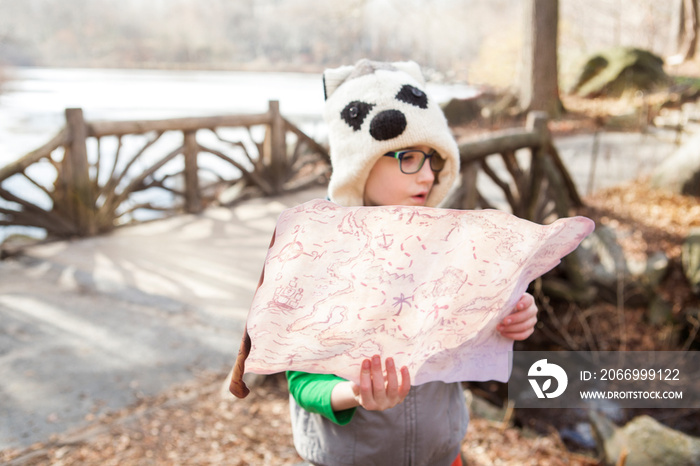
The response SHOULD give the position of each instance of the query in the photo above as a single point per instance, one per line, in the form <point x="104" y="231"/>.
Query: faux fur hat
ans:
<point x="373" y="108"/>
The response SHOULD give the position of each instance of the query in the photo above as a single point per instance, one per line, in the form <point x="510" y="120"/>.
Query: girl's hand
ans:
<point x="377" y="391"/>
<point x="521" y="323"/>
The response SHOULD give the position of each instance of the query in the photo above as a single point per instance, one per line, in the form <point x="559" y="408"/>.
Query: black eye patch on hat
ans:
<point x="355" y="113"/>
<point x="412" y="95"/>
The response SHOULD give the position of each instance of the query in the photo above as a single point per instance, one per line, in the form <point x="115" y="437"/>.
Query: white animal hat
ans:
<point x="373" y="108"/>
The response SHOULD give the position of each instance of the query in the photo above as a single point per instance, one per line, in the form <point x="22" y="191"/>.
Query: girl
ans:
<point x="389" y="145"/>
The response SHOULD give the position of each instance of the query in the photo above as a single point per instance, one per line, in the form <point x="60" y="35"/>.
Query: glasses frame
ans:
<point x="399" y="155"/>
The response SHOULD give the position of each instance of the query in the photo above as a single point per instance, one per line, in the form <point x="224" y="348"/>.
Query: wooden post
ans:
<point x="536" y="122"/>
<point x="193" y="201"/>
<point x="278" y="147"/>
<point x="470" y="195"/>
<point x="78" y="195"/>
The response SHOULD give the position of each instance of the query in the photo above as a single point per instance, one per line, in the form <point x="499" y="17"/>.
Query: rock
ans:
<point x="644" y="442"/>
<point x="680" y="172"/>
<point x="480" y="408"/>
<point x="690" y="259"/>
<point x="632" y="120"/>
<point x="651" y="272"/>
<point x="660" y="311"/>
<point x="689" y="332"/>
<point x="604" y="263"/>
<point x="14" y="244"/>
<point x="461" y="111"/>
<point x="580" y="435"/>
<point x="618" y="70"/>
<point x="488" y="105"/>
<point x="497" y="106"/>
<point x="601" y="256"/>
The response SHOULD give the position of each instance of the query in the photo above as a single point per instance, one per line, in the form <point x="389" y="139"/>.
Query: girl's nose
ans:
<point x="426" y="174"/>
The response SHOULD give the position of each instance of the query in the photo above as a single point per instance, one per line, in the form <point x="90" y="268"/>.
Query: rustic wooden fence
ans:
<point x="535" y="185"/>
<point x="84" y="202"/>
<point x="522" y="165"/>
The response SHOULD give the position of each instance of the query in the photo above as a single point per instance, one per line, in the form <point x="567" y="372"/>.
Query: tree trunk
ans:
<point x="539" y="81"/>
<point x="688" y="30"/>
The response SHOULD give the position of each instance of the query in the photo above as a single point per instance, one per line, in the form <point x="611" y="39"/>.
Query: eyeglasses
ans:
<point x="411" y="161"/>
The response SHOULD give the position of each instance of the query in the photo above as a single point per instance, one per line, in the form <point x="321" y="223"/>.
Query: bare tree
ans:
<point x="687" y="30"/>
<point x="539" y="88"/>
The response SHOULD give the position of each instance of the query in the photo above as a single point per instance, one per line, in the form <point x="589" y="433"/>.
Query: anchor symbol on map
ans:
<point x="384" y="243"/>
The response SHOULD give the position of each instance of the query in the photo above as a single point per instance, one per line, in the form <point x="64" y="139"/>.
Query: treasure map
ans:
<point x="426" y="286"/>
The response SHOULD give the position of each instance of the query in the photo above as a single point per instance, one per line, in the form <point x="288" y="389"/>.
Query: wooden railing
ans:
<point x="93" y="192"/>
<point x="83" y="201"/>
<point x="536" y="186"/>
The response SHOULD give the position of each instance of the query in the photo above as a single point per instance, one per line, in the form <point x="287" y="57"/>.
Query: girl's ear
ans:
<point x="412" y="69"/>
<point x="333" y="78"/>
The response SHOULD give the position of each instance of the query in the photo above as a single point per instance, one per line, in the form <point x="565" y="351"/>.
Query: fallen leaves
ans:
<point x="655" y="219"/>
<point x="191" y="424"/>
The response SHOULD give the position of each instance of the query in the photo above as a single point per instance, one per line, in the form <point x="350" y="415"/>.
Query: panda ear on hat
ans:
<point x="412" y="69"/>
<point x="334" y="77"/>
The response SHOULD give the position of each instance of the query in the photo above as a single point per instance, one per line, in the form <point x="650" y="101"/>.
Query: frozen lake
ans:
<point x="33" y="102"/>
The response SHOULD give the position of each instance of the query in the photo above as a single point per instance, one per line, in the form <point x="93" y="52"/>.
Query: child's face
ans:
<point x="387" y="185"/>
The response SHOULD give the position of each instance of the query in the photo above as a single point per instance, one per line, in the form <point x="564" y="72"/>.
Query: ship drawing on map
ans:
<point x="286" y="298"/>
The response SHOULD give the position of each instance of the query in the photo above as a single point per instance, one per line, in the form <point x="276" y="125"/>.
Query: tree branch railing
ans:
<point x="92" y="193"/>
<point x="90" y="198"/>
<point x="537" y="187"/>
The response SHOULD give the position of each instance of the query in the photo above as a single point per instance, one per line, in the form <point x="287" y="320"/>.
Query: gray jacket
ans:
<point x="425" y="430"/>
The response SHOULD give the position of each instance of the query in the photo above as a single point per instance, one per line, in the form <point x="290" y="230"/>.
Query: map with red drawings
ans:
<point x="426" y="286"/>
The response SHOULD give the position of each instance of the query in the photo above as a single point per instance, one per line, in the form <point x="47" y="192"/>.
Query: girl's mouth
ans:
<point x="420" y="197"/>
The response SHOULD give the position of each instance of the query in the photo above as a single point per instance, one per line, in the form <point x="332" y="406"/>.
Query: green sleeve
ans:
<point x="313" y="393"/>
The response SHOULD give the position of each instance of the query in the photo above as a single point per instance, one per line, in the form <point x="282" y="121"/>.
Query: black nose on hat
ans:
<point x="387" y="125"/>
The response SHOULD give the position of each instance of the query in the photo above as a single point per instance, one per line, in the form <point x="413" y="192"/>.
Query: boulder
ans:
<point x="461" y="111"/>
<point x="659" y="311"/>
<point x="644" y="442"/>
<point x="479" y="408"/>
<point x="690" y="259"/>
<point x="603" y="263"/>
<point x="619" y="70"/>
<point x="680" y="172"/>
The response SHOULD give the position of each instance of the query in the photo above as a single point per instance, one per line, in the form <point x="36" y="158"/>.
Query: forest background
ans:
<point x="471" y="41"/>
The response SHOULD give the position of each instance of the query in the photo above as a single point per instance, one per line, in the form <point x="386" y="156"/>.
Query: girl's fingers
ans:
<point x="519" y="331"/>
<point x="517" y="317"/>
<point x="525" y="301"/>
<point x="525" y="310"/>
<point x="366" y="380"/>
<point x="392" y="383"/>
<point x="518" y="335"/>
<point x="521" y="323"/>
<point x="378" y="387"/>
<point x="519" y="326"/>
<point x="405" y="383"/>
